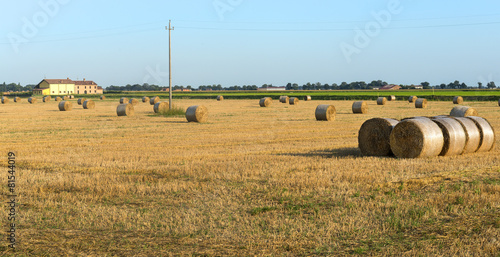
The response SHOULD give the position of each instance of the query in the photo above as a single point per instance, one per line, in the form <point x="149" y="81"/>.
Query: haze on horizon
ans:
<point x="242" y="42"/>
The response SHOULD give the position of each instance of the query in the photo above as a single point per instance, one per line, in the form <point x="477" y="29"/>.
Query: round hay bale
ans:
<point x="416" y="138"/>
<point x="284" y="99"/>
<point x="160" y="107"/>
<point x="265" y="102"/>
<point x="374" y="137"/>
<point x="65" y="106"/>
<point x="81" y="100"/>
<point x="125" y="109"/>
<point x="71" y="97"/>
<point x="293" y="101"/>
<point x="391" y="98"/>
<point x="88" y="104"/>
<point x="325" y="112"/>
<point x="360" y="107"/>
<point x="487" y="133"/>
<point x="220" y="98"/>
<point x="498" y="102"/>
<point x="17" y="99"/>
<point x="307" y="98"/>
<point x="381" y="101"/>
<point x="124" y="100"/>
<point x="133" y="101"/>
<point x="145" y="99"/>
<point x="473" y="135"/>
<point x="65" y="97"/>
<point x="58" y="99"/>
<point x="412" y="99"/>
<point x="458" y="100"/>
<point x="421" y="103"/>
<point x="32" y="100"/>
<point x="5" y="100"/>
<point x="46" y="99"/>
<point x="463" y="111"/>
<point x="154" y="100"/>
<point x="197" y="113"/>
<point x="454" y="135"/>
<point x="102" y="97"/>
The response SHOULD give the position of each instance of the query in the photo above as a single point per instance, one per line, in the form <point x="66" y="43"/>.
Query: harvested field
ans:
<point x="250" y="181"/>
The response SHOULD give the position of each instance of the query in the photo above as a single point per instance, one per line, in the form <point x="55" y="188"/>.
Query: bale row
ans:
<point x="284" y="99"/>
<point x="360" y="107"/>
<point x="420" y="137"/>
<point x="197" y="113"/>
<point x="325" y="112"/>
<point x="265" y="102"/>
<point x="381" y="101"/>
<point x="154" y="100"/>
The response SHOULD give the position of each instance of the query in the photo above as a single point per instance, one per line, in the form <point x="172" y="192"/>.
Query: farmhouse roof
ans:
<point x="84" y="82"/>
<point x="59" y="81"/>
<point x="390" y="87"/>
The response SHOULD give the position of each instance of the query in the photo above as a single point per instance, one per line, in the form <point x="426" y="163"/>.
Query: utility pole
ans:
<point x="169" y="28"/>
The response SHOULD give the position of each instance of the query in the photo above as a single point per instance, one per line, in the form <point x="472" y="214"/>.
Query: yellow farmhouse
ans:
<point x="66" y="87"/>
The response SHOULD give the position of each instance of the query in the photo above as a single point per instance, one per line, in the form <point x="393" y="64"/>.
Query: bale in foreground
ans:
<point x="220" y="98"/>
<point x="125" y="109"/>
<point x="360" y="107"/>
<point x="412" y="99"/>
<point x="454" y="135"/>
<point x="32" y="100"/>
<point x="381" y="101"/>
<point x="160" y="107"/>
<point x="416" y="138"/>
<point x="65" y="106"/>
<point x="472" y="133"/>
<point x="458" y="100"/>
<point x="307" y="98"/>
<point x="421" y="103"/>
<point x="487" y="134"/>
<point x="325" y="112"/>
<point x="154" y="100"/>
<point x="88" y="104"/>
<point x="5" y="100"/>
<point x="197" y="113"/>
<point x="293" y="101"/>
<point x="265" y="102"/>
<point x="463" y="111"/>
<point x="374" y="135"/>
<point x="81" y="100"/>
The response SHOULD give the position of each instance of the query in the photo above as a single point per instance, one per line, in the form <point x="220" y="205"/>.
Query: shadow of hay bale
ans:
<point x="353" y="152"/>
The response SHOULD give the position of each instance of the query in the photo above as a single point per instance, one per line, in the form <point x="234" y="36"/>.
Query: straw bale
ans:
<point x="416" y="138"/>
<point x="265" y="102"/>
<point x="487" y="133"/>
<point x="88" y="104"/>
<point x="360" y="107"/>
<point x="325" y="112"/>
<point x="374" y="137"/>
<point x="421" y="103"/>
<point x="463" y="111"/>
<point x="65" y="106"/>
<point x="454" y="135"/>
<point x="197" y="113"/>
<point x="125" y="109"/>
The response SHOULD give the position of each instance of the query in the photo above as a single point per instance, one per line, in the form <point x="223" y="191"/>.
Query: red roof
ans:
<point x="390" y="87"/>
<point x="84" y="82"/>
<point x="59" y="81"/>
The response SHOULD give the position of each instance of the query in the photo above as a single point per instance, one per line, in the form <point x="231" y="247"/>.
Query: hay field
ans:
<point x="250" y="181"/>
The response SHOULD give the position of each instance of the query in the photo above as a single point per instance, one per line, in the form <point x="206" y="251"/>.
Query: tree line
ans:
<point x="358" y="85"/>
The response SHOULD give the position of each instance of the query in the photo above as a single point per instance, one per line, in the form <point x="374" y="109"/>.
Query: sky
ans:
<point x="250" y="42"/>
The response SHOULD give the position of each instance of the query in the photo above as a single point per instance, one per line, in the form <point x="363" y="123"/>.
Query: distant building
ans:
<point x="272" y="89"/>
<point x="390" y="87"/>
<point x="66" y="87"/>
<point x="85" y="87"/>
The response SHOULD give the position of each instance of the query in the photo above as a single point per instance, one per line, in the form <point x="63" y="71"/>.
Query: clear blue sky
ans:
<point x="247" y="42"/>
